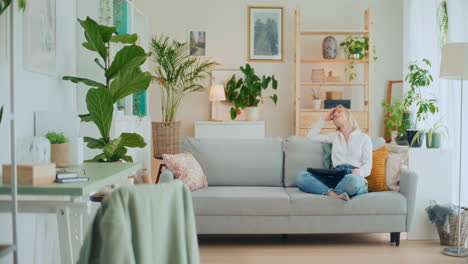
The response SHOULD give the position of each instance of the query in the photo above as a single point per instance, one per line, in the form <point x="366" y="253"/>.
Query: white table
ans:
<point x="230" y="129"/>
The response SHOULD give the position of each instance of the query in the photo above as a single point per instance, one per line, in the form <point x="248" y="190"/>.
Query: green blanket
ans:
<point x="143" y="224"/>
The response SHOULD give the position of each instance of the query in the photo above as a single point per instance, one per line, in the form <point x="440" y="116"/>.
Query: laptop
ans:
<point x="328" y="172"/>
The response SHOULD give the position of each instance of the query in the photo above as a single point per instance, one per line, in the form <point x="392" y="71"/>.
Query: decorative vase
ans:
<point x="317" y="103"/>
<point x="410" y="134"/>
<point x="436" y="140"/>
<point x="60" y="154"/>
<point x="329" y="47"/>
<point x="252" y="113"/>
<point x="166" y="138"/>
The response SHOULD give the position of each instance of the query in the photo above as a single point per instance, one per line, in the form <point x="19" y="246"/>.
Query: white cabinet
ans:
<point x="229" y="129"/>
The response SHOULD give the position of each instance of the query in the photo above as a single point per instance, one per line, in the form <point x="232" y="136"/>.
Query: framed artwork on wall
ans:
<point x="4" y="37"/>
<point x="265" y="33"/>
<point x="197" y="43"/>
<point x="39" y="37"/>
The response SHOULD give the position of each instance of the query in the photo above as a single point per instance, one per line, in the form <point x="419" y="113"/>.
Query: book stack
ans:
<point x="68" y="177"/>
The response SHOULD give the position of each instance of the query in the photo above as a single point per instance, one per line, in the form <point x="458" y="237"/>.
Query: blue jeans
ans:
<point x="322" y="184"/>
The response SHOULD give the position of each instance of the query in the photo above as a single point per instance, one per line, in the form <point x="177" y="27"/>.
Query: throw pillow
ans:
<point x="186" y="168"/>
<point x="394" y="163"/>
<point x="376" y="180"/>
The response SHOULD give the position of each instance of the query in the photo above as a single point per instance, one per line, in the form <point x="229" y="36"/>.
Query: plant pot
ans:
<point x="408" y="120"/>
<point x="435" y="139"/>
<point x="166" y="138"/>
<point x="317" y="103"/>
<point x="411" y="133"/>
<point x="252" y="113"/>
<point x="60" y="154"/>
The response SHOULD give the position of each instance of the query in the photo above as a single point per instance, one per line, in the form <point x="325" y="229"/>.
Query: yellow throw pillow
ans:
<point x="376" y="180"/>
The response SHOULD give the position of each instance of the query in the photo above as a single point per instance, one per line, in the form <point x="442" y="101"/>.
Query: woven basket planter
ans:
<point x="166" y="138"/>
<point x="451" y="238"/>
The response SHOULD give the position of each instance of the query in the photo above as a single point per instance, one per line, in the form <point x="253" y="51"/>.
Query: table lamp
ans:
<point x="454" y="66"/>
<point x="217" y="94"/>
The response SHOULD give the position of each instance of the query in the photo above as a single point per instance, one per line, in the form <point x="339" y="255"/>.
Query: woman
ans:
<point x="351" y="151"/>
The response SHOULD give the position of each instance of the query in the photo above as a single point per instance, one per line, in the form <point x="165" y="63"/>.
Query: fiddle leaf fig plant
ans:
<point x="247" y="91"/>
<point x="123" y="77"/>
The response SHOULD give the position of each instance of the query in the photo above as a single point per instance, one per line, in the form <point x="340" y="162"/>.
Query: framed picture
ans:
<point x="39" y="37"/>
<point x="4" y="37"/>
<point x="197" y="43"/>
<point x="265" y="33"/>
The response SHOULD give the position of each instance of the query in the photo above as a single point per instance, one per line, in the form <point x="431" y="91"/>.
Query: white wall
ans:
<point x="37" y="92"/>
<point x="226" y="23"/>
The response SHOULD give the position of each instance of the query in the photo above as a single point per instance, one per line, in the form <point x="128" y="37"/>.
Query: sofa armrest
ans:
<point x="166" y="176"/>
<point x="409" y="187"/>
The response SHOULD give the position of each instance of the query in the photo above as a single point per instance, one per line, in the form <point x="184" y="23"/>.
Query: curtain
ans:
<point x="421" y="40"/>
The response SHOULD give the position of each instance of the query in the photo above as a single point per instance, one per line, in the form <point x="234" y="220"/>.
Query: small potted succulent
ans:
<point x="435" y="133"/>
<point x="246" y="93"/>
<point x="59" y="149"/>
<point x="317" y="98"/>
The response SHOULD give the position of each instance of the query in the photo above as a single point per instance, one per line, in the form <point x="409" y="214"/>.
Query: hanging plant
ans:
<point x="442" y="17"/>
<point x="4" y="4"/>
<point x="356" y="48"/>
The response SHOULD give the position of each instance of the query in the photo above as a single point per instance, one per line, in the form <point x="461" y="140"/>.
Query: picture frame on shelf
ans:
<point x="39" y="37"/>
<point x="197" y="42"/>
<point x="265" y="33"/>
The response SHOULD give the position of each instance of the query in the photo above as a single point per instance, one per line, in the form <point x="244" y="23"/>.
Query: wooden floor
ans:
<point x="326" y="249"/>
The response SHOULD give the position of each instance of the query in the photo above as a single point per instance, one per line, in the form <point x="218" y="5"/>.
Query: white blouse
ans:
<point x="357" y="152"/>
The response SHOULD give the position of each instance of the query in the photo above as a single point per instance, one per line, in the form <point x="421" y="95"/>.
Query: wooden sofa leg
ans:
<point x="395" y="237"/>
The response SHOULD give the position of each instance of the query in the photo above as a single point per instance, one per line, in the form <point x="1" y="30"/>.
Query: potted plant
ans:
<point x="356" y="48"/>
<point x="246" y="93"/>
<point x="178" y="74"/>
<point x="419" y="77"/>
<point x="317" y="98"/>
<point x="123" y="77"/>
<point x="395" y="129"/>
<point x="59" y="149"/>
<point x="435" y="133"/>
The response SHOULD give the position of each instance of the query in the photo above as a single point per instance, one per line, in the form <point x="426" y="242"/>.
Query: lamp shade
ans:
<point x="454" y="65"/>
<point x="217" y="93"/>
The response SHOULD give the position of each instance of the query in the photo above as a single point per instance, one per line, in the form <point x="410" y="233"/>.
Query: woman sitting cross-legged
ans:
<point x="351" y="151"/>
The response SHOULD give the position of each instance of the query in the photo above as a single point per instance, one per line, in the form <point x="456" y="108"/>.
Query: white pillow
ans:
<point x="393" y="166"/>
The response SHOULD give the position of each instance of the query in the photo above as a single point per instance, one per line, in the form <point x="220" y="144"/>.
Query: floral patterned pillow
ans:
<point x="186" y="168"/>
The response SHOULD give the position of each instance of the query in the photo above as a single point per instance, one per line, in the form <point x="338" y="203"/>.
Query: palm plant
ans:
<point x="178" y="73"/>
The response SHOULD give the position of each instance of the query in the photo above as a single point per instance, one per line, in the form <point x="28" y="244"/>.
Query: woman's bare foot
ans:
<point x="341" y="196"/>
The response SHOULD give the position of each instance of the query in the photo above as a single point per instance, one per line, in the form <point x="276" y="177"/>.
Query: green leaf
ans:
<point x="85" y="118"/>
<point x="4" y="5"/>
<point x="111" y="147"/>
<point x="129" y="82"/>
<point x="125" y="38"/>
<point x="94" y="143"/>
<point x="119" y="154"/>
<point x="99" y="158"/>
<point x="93" y="37"/>
<point x="96" y="60"/>
<point x="132" y="140"/>
<point x="126" y="59"/>
<point x="274" y="98"/>
<point x="233" y="113"/>
<point x="106" y="32"/>
<point x="100" y="107"/>
<point x="83" y="80"/>
<point x="21" y="5"/>
<point x="127" y="158"/>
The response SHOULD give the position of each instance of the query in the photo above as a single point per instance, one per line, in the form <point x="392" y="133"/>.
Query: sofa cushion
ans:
<point x="241" y="200"/>
<point x="239" y="162"/>
<point x="377" y="203"/>
<point x="300" y="154"/>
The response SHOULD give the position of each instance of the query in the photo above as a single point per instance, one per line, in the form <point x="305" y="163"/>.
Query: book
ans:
<point x="74" y="179"/>
<point x="66" y="175"/>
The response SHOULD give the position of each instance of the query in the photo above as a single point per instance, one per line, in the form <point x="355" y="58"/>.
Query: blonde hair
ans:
<point x="350" y="116"/>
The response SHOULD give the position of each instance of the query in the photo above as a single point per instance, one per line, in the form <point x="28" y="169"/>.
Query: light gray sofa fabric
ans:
<point x="300" y="154"/>
<point x="228" y="224"/>
<point x="241" y="200"/>
<point x="238" y="162"/>
<point x="408" y="187"/>
<point x="375" y="203"/>
<point x="166" y="176"/>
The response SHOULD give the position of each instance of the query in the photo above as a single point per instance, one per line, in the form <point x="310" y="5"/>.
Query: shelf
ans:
<point x="335" y="61"/>
<point x="326" y="110"/>
<point x="332" y="84"/>
<point x="334" y="32"/>
<point x="6" y="249"/>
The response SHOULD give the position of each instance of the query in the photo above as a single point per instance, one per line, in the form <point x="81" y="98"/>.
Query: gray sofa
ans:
<point x="252" y="190"/>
